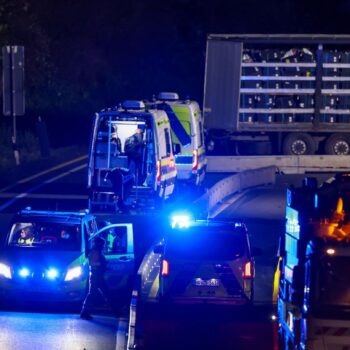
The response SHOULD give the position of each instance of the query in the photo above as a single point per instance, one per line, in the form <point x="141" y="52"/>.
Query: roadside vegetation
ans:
<point x="28" y="146"/>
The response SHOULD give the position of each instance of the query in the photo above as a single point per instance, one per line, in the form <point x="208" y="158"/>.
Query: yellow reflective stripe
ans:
<point x="155" y="287"/>
<point x="183" y="115"/>
<point x="168" y="176"/>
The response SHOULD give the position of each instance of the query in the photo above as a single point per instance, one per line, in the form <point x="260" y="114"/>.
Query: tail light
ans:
<point x="165" y="268"/>
<point x="159" y="170"/>
<point x="195" y="160"/>
<point x="248" y="270"/>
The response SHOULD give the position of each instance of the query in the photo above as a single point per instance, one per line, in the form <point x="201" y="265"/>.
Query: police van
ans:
<point x="206" y="262"/>
<point x="121" y="174"/>
<point x="187" y="133"/>
<point x="44" y="256"/>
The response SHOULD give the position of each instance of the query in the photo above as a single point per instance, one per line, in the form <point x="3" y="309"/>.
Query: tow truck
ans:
<point x="111" y="183"/>
<point x="314" y="267"/>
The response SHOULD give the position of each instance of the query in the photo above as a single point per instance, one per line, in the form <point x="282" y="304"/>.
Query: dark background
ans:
<point x="82" y="56"/>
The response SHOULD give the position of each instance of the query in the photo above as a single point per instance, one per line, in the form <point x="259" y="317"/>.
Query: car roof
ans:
<point x="52" y="216"/>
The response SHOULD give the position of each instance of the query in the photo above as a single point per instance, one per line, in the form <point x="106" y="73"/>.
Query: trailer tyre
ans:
<point x="299" y="144"/>
<point x="338" y="144"/>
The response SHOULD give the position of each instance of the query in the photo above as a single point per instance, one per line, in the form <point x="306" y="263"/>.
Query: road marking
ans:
<point x="46" y="196"/>
<point x="121" y="334"/>
<point x="59" y="166"/>
<point x="227" y="203"/>
<point x="25" y="194"/>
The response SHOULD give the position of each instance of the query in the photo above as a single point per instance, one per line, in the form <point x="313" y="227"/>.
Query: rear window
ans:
<point x="206" y="244"/>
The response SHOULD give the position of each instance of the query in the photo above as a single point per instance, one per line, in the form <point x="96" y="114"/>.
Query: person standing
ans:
<point x="97" y="284"/>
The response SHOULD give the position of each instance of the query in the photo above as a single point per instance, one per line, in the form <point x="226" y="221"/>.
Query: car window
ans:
<point x="45" y="235"/>
<point x="206" y="245"/>
<point x="116" y="240"/>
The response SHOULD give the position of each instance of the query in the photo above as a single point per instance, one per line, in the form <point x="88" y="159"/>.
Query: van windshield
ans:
<point x="45" y="235"/>
<point x="209" y="245"/>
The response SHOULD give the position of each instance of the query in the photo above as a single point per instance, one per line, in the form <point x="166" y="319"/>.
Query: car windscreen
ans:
<point x="334" y="282"/>
<point x="45" y="235"/>
<point x="206" y="244"/>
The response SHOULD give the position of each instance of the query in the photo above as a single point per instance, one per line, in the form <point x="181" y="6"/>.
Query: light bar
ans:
<point x="132" y="104"/>
<point x="168" y="96"/>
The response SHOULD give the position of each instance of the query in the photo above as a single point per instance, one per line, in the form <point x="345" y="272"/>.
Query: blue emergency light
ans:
<point x="24" y="272"/>
<point x="180" y="221"/>
<point x="51" y="274"/>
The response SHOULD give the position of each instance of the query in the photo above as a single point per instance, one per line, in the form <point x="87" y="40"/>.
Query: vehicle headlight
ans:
<point x="5" y="271"/>
<point x="73" y="273"/>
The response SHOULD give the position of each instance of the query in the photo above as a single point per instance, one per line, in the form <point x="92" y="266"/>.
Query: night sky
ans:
<point x="82" y="56"/>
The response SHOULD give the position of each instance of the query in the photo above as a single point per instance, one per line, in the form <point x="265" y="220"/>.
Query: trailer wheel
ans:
<point x="299" y="144"/>
<point x="338" y="144"/>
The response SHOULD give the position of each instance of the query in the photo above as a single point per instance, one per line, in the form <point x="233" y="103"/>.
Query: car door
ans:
<point x="119" y="252"/>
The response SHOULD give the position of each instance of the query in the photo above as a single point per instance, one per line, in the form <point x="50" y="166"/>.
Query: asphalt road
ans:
<point x="64" y="188"/>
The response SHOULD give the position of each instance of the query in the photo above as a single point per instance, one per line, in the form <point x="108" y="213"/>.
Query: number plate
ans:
<point x="213" y="282"/>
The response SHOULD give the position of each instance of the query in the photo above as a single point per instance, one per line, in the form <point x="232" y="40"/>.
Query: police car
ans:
<point x="44" y="258"/>
<point x="206" y="262"/>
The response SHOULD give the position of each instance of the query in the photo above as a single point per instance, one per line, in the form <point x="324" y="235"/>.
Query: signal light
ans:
<point x="195" y="160"/>
<point x="24" y="272"/>
<point x="248" y="271"/>
<point x="159" y="170"/>
<point x="180" y="221"/>
<point x="165" y="268"/>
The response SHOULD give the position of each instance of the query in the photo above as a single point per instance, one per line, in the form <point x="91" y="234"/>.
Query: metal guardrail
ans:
<point x="284" y="164"/>
<point x="233" y="184"/>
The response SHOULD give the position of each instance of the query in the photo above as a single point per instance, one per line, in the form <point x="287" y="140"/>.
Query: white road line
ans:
<point x="45" y="196"/>
<point x="121" y="342"/>
<point x="25" y="194"/>
<point x="59" y="166"/>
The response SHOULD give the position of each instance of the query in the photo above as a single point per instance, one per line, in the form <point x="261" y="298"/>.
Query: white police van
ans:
<point x="187" y="134"/>
<point x="112" y="179"/>
<point x="44" y="256"/>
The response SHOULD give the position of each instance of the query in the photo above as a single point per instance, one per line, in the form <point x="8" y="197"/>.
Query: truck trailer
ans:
<point x="277" y="94"/>
<point x="314" y="267"/>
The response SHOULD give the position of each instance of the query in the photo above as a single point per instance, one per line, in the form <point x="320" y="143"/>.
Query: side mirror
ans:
<point x="256" y="251"/>
<point x="158" y="249"/>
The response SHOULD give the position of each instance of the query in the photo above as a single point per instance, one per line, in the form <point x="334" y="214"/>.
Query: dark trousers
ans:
<point x="97" y="288"/>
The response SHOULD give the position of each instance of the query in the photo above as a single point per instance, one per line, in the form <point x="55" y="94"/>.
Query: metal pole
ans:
<point x="14" y="127"/>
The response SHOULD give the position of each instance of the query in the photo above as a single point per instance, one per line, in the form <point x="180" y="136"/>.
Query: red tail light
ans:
<point x="159" y="170"/>
<point x="248" y="270"/>
<point x="195" y="160"/>
<point x="165" y="268"/>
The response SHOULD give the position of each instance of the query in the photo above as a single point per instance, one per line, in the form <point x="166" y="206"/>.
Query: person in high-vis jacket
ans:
<point x="26" y="236"/>
<point x="97" y="284"/>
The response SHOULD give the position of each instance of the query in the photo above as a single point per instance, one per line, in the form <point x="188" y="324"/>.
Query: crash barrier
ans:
<point x="233" y="184"/>
<point x="283" y="164"/>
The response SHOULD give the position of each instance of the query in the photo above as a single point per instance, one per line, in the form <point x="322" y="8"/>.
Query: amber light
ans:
<point x="165" y="268"/>
<point x="195" y="160"/>
<point x="248" y="271"/>
<point x="159" y="170"/>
